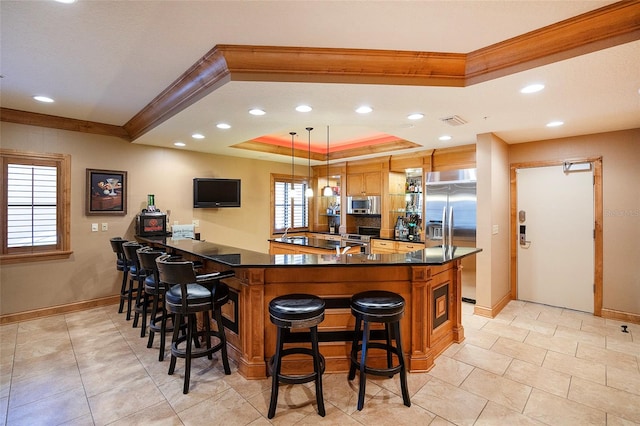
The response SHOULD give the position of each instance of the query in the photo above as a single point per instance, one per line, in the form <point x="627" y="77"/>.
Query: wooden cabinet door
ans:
<point x="369" y="183"/>
<point x="355" y="184"/>
<point x="373" y="183"/>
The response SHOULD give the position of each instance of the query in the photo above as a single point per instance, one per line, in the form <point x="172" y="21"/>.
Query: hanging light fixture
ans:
<point x="327" y="191"/>
<point x="292" y="192"/>
<point x="309" y="191"/>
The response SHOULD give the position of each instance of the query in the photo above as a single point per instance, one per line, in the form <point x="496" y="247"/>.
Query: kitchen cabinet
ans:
<point x="405" y="247"/>
<point x="379" y="246"/>
<point x="382" y="246"/>
<point x="367" y="183"/>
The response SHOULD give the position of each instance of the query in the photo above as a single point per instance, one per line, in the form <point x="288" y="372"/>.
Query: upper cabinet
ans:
<point x="367" y="183"/>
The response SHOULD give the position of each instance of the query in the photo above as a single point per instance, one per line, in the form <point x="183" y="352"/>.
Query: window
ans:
<point x="35" y="216"/>
<point x="290" y="207"/>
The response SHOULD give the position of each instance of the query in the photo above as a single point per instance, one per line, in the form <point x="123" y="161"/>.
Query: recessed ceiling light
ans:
<point x="555" y="123"/>
<point x="44" y="99"/>
<point x="66" y="1"/>
<point x="416" y="116"/>
<point x="445" y="138"/>
<point x="364" y="109"/>
<point x="180" y="144"/>
<point x="257" y="111"/>
<point x="197" y="136"/>
<point x="303" y="108"/>
<point x="532" y="88"/>
<point x="223" y="126"/>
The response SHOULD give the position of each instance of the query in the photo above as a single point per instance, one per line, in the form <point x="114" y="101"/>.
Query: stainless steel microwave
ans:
<point x="363" y="205"/>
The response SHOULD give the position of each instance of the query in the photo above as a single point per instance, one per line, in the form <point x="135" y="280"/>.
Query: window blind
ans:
<point x="31" y="205"/>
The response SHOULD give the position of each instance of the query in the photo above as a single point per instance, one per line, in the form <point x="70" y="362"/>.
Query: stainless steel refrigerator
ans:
<point x="450" y="217"/>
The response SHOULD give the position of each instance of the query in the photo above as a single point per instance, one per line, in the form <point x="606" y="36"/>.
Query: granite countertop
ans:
<point x="237" y="257"/>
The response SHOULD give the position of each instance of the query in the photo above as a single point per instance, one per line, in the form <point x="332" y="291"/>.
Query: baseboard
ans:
<point x="494" y="310"/>
<point x="620" y="316"/>
<point x="56" y="310"/>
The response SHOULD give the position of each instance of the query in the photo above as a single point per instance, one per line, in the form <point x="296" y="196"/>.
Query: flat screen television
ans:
<point x="215" y="193"/>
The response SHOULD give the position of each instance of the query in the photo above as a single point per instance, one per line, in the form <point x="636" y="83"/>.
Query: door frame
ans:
<point x="597" y="215"/>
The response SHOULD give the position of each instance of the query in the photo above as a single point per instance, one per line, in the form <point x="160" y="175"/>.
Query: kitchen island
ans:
<point x="429" y="280"/>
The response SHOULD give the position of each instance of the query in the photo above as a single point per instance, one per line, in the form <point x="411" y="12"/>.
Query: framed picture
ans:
<point x="106" y="192"/>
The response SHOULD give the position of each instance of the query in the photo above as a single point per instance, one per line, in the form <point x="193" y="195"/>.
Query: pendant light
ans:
<point x="309" y="191"/>
<point x="327" y="191"/>
<point x="291" y="194"/>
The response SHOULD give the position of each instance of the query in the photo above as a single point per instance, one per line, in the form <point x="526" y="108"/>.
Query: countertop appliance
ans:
<point x="150" y="224"/>
<point x="364" y="205"/>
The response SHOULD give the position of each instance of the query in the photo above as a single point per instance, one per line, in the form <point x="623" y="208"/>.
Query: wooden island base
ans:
<point x="432" y="319"/>
<point x="428" y="279"/>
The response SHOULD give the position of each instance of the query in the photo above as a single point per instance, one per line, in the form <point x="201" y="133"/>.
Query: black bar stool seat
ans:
<point x="378" y="306"/>
<point x="288" y="312"/>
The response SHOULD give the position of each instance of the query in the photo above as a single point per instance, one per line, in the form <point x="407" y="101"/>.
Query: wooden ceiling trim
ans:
<point x="394" y="145"/>
<point x="599" y="29"/>
<point x="205" y="76"/>
<point x="62" y="123"/>
<point x="355" y="66"/>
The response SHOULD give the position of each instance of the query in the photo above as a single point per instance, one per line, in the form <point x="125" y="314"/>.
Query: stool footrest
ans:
<point x="297" y="379"/>
<point x="195" y="351"/>
<point x="386" y="372"/>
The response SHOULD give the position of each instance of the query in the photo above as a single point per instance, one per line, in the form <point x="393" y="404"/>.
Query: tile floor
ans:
<point x="533" y="364"/>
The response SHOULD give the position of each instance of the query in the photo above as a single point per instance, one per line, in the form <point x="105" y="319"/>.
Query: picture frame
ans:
<point x="106" y="192"/>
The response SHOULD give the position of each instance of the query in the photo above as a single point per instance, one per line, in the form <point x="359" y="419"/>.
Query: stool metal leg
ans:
<point x="317" y="369"/>
<point x="354" y="348"/>
<point x="387" y="330"/>
<point x="403" y="368"/>
<point x="363" y="361"/>
<point x="176" y="331"/>
<point x="276" y="373"/>
<point x="223" y="341"/>
<point x="123" y="289"/>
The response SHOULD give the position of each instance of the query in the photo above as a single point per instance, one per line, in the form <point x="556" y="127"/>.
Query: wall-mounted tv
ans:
<point x="215" y="193"/>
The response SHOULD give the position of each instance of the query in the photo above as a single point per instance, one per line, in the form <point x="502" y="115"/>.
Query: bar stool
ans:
<point x="385" y="307"/>
<point x="121" y="265"/>
<point x="296" y="311"/>
<point x="136" y="274"/>
<point x="187" y="295"/>
<point x="155" y="288"/>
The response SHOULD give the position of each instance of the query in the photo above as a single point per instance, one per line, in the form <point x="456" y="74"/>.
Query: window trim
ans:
<point x="63" y="202"/>
<point x="287" y="179"/>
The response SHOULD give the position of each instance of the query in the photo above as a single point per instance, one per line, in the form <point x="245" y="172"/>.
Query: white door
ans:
<point x="556" y="261"/>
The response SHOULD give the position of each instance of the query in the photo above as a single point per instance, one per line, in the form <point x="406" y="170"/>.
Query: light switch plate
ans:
<point x="94" y="227"/>
<point x="494" y="230"/>
<point x="105" y="227"/>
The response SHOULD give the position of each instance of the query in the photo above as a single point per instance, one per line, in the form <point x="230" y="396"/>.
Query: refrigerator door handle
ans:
<point x="444" y="221"/>
<point x="450" y="226"/>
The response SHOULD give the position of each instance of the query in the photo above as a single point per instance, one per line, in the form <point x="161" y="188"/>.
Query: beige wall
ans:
<point x="620" y="152"/>
<point x="167" y="173"/>
<point x="492" y="265"/>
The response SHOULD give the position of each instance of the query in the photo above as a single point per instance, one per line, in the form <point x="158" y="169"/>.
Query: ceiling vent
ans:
<point x="454" y="120"/>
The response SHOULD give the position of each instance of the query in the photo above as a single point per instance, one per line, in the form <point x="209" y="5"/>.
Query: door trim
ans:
<point x="597" y="215"/>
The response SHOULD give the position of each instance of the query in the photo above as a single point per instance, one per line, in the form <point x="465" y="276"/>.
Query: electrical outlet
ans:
<point x="94" y="227"/>
<point x="105" y="227"/>
<point x="196" y="222"/>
